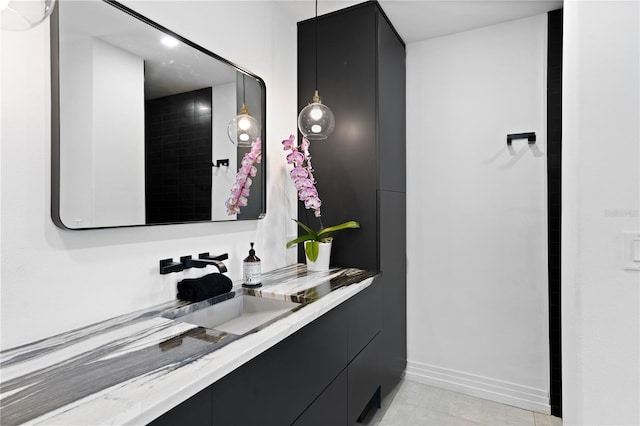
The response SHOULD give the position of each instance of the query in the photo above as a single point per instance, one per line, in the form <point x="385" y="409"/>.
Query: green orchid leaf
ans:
<point x="306" y="228"/>
<point x="326" y="231"/>
<point x="300" y="239"/>
<point x="312" y="248"/>
<point x="322" y="236"/>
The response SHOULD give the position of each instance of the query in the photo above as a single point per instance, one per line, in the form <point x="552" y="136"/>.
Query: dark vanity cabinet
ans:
<point x="360" y="168"/>
<point x="324" y="374"/>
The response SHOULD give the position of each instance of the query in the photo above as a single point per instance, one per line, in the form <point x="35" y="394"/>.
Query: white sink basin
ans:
<point x="239" y="315"/>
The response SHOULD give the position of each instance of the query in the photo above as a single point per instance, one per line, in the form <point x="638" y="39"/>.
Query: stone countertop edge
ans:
<point x="140" y="400"/>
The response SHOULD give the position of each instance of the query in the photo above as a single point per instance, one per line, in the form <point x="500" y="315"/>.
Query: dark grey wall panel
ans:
<point x="253" y="98"/>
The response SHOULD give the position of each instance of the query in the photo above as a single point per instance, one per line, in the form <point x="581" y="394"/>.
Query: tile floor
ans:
<point x="415" y="404"/>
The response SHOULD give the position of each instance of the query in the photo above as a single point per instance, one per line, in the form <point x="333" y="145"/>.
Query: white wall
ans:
<point x="102" y="136"/>
<point x="77" y="161"/>
<point x="477" y="241"/>
<point x="55" y="280"/>
<point x="223" y="110"/>
<point x="601" y="199"/>
<point x="118" y="136"/>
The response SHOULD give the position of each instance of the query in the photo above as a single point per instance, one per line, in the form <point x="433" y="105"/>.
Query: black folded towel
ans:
<point x="197" y="289"/>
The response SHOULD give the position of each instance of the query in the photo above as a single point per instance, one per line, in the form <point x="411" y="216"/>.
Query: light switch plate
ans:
<point x="632" y="251"/>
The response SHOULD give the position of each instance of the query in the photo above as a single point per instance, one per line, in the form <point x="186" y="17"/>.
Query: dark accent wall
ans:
<point x="554" y="204"/>
<point x="178" y="131"/>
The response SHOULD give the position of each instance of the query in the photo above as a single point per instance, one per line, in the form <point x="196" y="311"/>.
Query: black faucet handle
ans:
<point x="168" y="265"/>
<point x="207" y="256"/>
<point x="188" y="262"/>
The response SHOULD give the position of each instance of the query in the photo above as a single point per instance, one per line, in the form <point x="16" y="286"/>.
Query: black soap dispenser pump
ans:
<point x="251" y="270"/>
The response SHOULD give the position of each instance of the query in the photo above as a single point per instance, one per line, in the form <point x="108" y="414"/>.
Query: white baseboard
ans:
<point x="482" y="387"/>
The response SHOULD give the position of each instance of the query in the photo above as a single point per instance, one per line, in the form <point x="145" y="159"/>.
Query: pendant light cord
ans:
<point x="243" y="92"/>
<point x="317" y="32"/>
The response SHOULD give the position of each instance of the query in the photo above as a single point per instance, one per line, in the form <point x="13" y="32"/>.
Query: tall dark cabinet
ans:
<point x="360" y="169"/>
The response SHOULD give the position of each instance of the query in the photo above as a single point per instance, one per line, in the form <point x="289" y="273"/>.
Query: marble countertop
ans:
<point x="133" y="368"/>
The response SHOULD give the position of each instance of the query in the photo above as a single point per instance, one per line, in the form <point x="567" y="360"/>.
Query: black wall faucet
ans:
<point x="168" y="265"/>
<point x="205" y="259"/>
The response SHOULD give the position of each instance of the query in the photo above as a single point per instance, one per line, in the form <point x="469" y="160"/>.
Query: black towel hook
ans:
<point x="531" y="137"/>
<point x="223" y="162"/>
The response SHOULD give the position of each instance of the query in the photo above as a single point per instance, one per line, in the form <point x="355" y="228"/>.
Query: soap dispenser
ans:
<point x="251" y="270"/>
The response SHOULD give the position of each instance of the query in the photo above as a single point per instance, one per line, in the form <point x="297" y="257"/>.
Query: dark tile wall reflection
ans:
<point x="178" y="132"/>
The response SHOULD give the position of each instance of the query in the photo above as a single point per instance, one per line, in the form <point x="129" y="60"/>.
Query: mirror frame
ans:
<point x="55" y="119"/>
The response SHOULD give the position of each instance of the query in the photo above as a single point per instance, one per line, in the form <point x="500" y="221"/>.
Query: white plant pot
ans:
<point x="324" y="255"/>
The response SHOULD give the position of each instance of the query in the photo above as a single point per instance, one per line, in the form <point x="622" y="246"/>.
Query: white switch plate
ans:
<point x="632" y="251"/>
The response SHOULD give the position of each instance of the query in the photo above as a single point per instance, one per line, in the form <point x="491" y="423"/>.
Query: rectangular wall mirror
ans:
<point x="140" y="119"/>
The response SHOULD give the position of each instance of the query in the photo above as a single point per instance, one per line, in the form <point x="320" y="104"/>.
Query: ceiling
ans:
<point x="167" y="70"/>
<point x="417" y="20"/>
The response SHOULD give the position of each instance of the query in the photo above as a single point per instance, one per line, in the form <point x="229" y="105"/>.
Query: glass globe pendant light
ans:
<point x="316" y="121"/>
<point x="243" y="129"/>
<point x="21" y="15"/>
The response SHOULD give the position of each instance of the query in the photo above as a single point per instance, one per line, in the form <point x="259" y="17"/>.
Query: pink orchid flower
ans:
<point x="240" y="189"/>
<point x="301" y="174"/>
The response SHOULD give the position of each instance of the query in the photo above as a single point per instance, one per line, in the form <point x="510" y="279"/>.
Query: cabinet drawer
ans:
<point x="275" y="387"/>
<point x="195" y="411"/>
<point x="365" y="317"/>
<point x="364" y="375"/>
<point x="330" y="408"/>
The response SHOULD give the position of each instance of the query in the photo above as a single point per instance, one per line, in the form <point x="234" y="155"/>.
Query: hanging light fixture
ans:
<point x="316" y="121"/>
<point x="243" y="129"/>
<point x="20" y="15"/>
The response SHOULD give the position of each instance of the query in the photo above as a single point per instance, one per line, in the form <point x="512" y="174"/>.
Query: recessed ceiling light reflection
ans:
<point x="169" y="41"/>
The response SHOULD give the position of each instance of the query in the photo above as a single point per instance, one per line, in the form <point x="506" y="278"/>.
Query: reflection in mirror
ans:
<point x="140" y="123"/>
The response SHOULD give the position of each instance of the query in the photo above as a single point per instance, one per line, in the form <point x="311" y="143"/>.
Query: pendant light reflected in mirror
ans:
<point x="243" y="129"/>
<point x="316" y="121"/>
<point x="21" y="15"/>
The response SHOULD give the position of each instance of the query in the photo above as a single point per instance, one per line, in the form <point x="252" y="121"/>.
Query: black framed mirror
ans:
<point x="140" y="120"/>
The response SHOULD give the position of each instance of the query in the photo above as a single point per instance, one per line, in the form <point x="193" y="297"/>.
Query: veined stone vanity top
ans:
<point x="133" y="368"/>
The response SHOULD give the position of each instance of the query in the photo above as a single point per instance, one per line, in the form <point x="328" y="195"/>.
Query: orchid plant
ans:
<point x="305" y="183"/>
<point x="247" y="170"/>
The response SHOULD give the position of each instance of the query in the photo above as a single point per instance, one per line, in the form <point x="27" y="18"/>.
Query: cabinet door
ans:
<point x="391" y="109"/>
<point x="393" y="283"/>
<point x="330" y="408"/>
<point x="195" y="411"/>
<point x="345" y="163"/>
<point x="275" y="387"/>
<point x="364" y="379"/>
